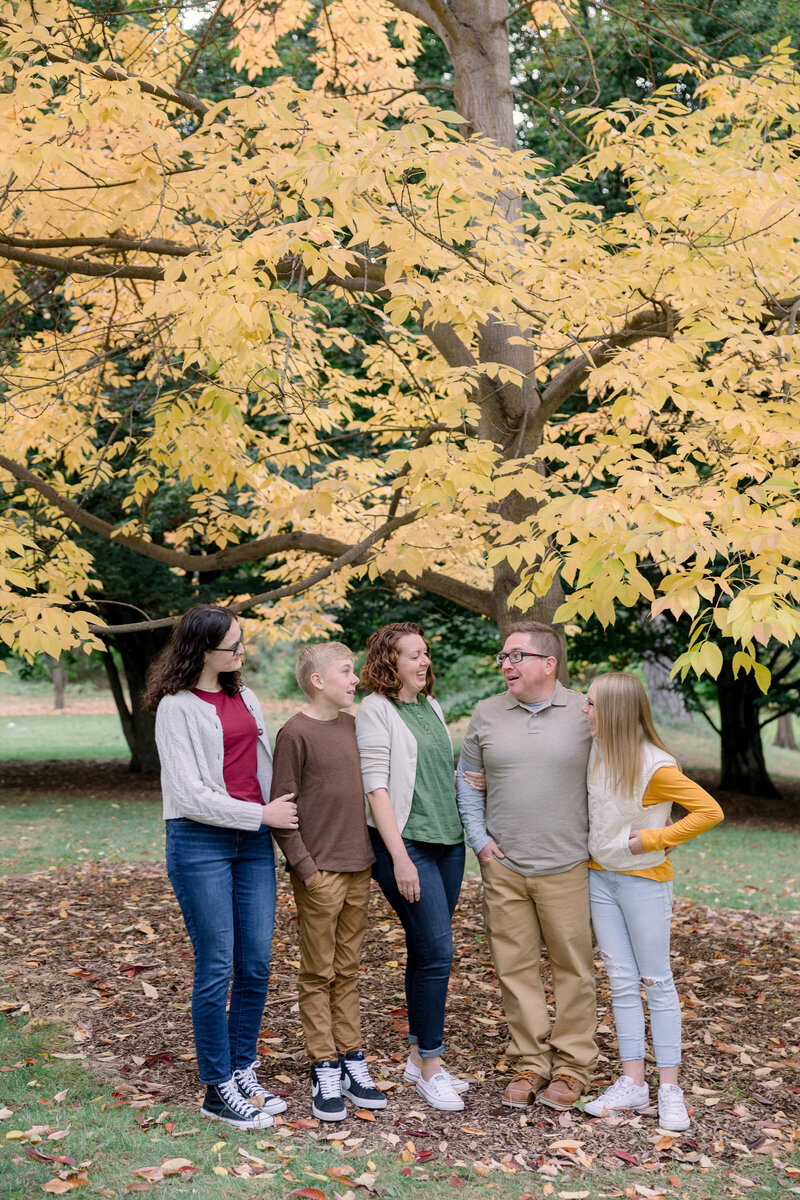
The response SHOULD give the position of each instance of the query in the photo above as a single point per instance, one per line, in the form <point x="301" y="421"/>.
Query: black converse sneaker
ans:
<point x="357" y="1083"/>
<point x="224" y="1102"/>
<point x="326" y="1091"/>
<point x="247" y="1083"/>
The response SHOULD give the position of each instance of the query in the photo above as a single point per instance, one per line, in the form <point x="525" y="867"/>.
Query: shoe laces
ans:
<point x="329" y="1080"/>
<point x="357" y="1069"/>
<point x="623" y="1089"/>
<point x="235" y="1100"/>
<point x="438" y="1083"/>
<point x="247" y="1076"/>
<point x="670" y="1100"/>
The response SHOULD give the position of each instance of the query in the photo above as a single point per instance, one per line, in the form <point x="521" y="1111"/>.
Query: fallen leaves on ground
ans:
<point x="105" y="948"/>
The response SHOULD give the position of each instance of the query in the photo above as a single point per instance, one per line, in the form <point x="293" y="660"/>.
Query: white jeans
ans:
<point x="631" y="916"/>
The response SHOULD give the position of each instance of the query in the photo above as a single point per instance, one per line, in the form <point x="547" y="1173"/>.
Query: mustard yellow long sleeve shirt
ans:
<point x="669" y="785"/>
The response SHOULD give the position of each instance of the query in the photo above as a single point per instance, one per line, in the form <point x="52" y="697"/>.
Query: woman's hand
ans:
<point x="406" y="877"/>
<point x="280" y="813"/>
<point x="635" y="842"/>
<point x="476" y="779"/>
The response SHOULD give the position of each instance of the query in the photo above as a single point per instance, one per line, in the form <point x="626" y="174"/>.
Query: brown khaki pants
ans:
<point x="332" y="921"/>
<point x="519" y="912"/>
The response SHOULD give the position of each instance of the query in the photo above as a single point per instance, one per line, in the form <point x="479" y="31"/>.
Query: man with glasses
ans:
<point x="529" y="831"/>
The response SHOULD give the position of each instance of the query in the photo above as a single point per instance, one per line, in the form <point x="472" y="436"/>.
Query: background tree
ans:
<point x="545" y="393"/>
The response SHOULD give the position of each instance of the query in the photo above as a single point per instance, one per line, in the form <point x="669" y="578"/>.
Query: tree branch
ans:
<point x="116" y="74"/>
<point x="657" y="321"/>
<point x="148" y="245"/>
<point x="80" y="266"/>
<point x="432" y="14"/>
<point x="279" y="543"/>
<point x="363" y="276"/>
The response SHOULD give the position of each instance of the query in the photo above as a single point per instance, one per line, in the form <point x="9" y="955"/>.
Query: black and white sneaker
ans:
<point x="357" y="1083"/>
<point x="247" y="1082"/>
<point x="224" y="1102"/>
<point x="326" y="1091"/>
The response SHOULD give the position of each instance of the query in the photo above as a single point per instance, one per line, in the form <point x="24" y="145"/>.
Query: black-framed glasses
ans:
<point x="232" y="649"/>
<point x="516" y="656"/>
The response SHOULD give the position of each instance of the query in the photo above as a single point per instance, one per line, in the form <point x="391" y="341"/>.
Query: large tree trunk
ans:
<point x="742" y="767"/>
<point x="137" y="651"/>
<point x="476" y="35"/>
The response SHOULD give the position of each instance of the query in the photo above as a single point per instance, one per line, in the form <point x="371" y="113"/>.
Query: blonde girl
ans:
<point x="633" y="781"/>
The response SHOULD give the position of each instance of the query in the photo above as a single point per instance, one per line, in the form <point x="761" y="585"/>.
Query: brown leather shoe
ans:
<point x="562" y="1092"/>
<point x="523" y="1090"/>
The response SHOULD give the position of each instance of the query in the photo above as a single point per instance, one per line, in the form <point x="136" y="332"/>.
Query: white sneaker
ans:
<point x="672" y="1112"/>
<point x="439" y="1093"/>
<point x="412" y="1074"/>
<point x="624" y="1093"/>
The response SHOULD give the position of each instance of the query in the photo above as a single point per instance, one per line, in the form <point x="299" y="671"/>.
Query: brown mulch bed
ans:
<point x="103" y="948"/>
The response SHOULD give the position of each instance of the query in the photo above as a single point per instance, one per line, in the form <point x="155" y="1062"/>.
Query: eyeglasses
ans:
<point x="232" y="649"/>
<point x="516" y="656"/>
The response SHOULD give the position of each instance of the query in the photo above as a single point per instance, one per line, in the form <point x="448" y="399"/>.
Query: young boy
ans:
<point x="329" y="859"/>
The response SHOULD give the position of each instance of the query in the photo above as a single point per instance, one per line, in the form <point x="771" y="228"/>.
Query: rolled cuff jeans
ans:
<point x="224" y="881"/>
<point x="632" y="916"/>
<point x="429" y="934"/>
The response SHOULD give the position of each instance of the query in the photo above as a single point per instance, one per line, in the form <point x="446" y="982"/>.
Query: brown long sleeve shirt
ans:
<point x="320" y="763"/>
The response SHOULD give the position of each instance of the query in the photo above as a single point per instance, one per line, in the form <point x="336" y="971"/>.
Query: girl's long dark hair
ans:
<point x="179" y="665"/>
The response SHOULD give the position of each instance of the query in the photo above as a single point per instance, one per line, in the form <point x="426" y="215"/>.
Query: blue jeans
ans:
<point x="429" y="934"/>
<point x="224" y="881"/>
<point x="631" y="916"/>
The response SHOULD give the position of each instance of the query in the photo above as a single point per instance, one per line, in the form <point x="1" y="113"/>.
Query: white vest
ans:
<point x="612" y="817"/>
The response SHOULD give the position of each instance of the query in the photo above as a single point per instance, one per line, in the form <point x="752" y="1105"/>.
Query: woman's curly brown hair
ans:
<point x="179" y="665"/>
<point x="380" y="669"/>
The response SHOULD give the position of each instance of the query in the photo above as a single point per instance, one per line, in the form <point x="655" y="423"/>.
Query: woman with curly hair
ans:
<point x="416" y="833"/>
<point x="216" y="770"/>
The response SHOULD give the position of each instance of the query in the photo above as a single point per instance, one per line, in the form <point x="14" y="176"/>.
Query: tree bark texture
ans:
<point x="784" y="732"/>
<point x="137" y="651"/>
<point x="742" y="766"/>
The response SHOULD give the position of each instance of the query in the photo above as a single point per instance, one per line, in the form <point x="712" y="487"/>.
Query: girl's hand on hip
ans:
<point x="635" y="842"/>
<point x="406" y="877"/>
<point x="281" y="813"/>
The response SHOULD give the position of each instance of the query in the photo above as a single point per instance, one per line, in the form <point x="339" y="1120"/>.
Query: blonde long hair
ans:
<point x="623" y="723"/>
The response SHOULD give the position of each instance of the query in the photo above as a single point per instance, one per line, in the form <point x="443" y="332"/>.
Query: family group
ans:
<point x="564" y="798"/>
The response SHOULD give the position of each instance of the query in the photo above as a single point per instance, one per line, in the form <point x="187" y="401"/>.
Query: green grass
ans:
<point x="99" y="1131"/>
<point x="75" y="735"/>
<point x="55" y="831"/>
<point x="738" y="866"/>
<point x="62" y="735"/>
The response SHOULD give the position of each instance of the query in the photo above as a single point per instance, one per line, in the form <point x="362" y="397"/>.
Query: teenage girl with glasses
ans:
<point x="216" y="770"/>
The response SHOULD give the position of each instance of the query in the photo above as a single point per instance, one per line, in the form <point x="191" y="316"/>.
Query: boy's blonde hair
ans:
<point x="314" y="658"/>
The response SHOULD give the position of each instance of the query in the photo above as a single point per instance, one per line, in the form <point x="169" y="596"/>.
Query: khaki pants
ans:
<point x="332" y="921"/>
<point x="519" y="911"/>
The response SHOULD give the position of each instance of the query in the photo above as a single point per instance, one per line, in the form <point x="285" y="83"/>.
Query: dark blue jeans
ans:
<point x="429" y="934"/>
<point x="224" y="880"/>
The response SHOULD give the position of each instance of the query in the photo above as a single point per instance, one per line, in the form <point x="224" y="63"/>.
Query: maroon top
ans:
<point x="239" y="740"/>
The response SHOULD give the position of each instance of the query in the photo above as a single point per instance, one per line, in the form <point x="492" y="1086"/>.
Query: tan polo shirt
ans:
<point x="535" y="762"/>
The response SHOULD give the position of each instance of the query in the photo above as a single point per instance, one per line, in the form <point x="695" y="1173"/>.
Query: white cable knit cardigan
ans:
<point x="190" y="746"/>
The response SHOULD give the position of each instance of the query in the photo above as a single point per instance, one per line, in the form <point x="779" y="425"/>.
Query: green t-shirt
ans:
<point x="434" y="814"/>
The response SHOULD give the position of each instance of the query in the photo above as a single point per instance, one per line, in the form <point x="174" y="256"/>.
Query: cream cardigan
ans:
<point x="190" y="746"/>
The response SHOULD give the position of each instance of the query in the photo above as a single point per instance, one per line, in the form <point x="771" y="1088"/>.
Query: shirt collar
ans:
<point x="557" y="700"/>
